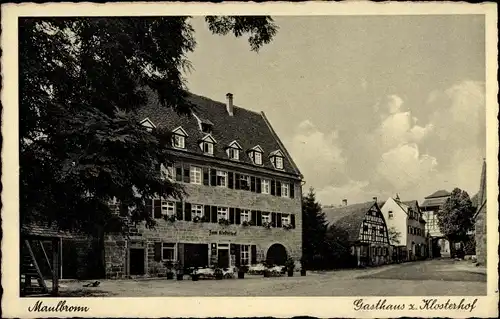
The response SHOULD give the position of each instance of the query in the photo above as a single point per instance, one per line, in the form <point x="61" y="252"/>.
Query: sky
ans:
<point x="366" y="105"/>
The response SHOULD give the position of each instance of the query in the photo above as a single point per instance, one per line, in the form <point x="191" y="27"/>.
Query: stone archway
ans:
<point x="276" y="255"/>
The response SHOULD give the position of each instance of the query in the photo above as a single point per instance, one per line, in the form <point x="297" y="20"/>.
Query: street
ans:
<point x="444" y="277"/>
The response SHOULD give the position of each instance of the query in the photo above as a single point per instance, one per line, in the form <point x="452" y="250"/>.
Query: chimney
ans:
<point x="375" y="199"/>
<point x="344" y="202"/>
<point x="229" y="104"/>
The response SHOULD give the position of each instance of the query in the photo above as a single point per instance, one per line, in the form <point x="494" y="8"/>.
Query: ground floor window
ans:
<point x="245" y="254"/>
<point x="168" y="252"/>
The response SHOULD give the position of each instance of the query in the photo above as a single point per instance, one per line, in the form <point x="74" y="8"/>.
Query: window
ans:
<point x="285" y="220"/>
<point x="257" y="158"/>
<point x="285" y="190"/>
<point x="167" y="208"/>
<point x="266" y="218"/>
<point x="166" y="172"/>
<point x="233" y="153"/>
<point x="245" y="215"/>
<point x="222" y="213"/>
<point x="244" y="182"/>
<point x="208" y="148"/>
<point x="206" y="128"/>
<point x="197" y="211"/>
<point x="278" y="162"/>
<point x="168" y="252"/>
<point x="365" y="228"/>
<point x="196" y="175"/>
<point x="222" y="178"/>
<point x="245" y="254"/>
<point x="178" y="141"/>
<point x="266" y="186"/>
<point x="391" y="214"/>
<point x="381" y="230"/>
<point x="374" y="233"/>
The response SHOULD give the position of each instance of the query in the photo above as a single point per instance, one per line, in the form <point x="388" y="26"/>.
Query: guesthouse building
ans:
<point x="243" y="203"/>
<point x="366" y="229"/>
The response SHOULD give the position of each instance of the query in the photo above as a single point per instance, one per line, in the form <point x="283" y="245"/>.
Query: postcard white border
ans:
<point x="13" y="306"/>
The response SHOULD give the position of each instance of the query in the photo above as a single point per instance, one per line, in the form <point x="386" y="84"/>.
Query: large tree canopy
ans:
<point x="456" y="216"/>
<point x="81" y="82"/>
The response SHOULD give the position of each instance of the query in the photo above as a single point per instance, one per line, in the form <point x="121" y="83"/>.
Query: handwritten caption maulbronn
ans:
<point x="422" y="305"/>
<point x="61" y="306"/>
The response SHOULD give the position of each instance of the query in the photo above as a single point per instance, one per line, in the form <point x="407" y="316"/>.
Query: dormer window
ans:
<point x="256" y="155"/>
<point x="206" y="128"/>
<point x="277" y="159"/>
<point x="148" y="125"/>
<point x="233" y="151"/>
<point x="207" y="145"/>
<point x="179" y="138"/>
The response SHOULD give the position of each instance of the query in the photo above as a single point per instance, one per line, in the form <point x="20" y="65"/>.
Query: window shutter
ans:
<point x="292" y="190"/>
<point x="279" y="223"/>
<point x="186" y="174"/>
<point x="253" y="253"/>
<point x="273" y="185"/>
<point x="213" y="177"/>
<point x="178" y="210"/>
<point x="231" y="215"/>
<point x="252" y="184"/>
<point x="238" y="216"/>
<point x="292" y="220"/>
<point x="187" y="212"/>
<point x="206" y="176"/>
<point x="206" y="213"/>
<point x="273" y="219"/>
<point x="213" y="216"/>
<point x="259" y="218"/>
<point x="178" y="172"/>
<point x="157" y="208"/>
<point x="230" y="180"/>
<point x="278" y="188"/>
<point x="237" y="181"/>
<point x="258" y="185"/>
<point x="180" y="254"/>
<point x="149" y="205"/>
<point x="158" y="251"/>
<point x="237" y="253"/>
<point x="254" y="217"/>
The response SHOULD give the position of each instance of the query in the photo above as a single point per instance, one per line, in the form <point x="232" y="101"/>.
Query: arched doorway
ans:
<point x="276" y="255"/>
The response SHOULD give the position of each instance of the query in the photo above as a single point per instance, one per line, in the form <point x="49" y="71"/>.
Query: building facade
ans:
<point x="244" y="195"/>
<point x="480" y="219"/>
<point x="438" y="245"/>
<point x="406" y="218"/>
<point x="367" y="231"/>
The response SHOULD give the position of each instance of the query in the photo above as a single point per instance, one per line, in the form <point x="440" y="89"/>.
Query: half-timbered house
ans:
<point x="366" y="229"/>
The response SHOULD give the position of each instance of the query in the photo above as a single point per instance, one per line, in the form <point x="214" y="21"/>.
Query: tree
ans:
<point x="394" y="235"/>
<point x="337" y="249"/>
<point x="313" y="229"/>
<point x="81" y="83"/>
<point x="456" y="216"/>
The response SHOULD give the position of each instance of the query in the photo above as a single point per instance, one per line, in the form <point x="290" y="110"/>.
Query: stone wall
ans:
<point x="480" y="233"/>
<point x="115" y="249"/>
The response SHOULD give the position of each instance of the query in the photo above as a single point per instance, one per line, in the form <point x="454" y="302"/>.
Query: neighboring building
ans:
<point x="440" y="246"/>
<point x="244" y="195"/>
<point x="480" y="219"/>
<point x="406" y="218"/>
<point x="366" y="229"/>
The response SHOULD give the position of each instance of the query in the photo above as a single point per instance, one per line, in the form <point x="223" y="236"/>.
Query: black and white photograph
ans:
<point x="250" y="153"/>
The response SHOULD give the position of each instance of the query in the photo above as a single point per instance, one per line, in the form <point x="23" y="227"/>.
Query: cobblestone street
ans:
<point x="423" y="278"/>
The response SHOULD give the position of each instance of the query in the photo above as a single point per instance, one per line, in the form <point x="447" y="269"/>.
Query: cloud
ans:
<point x="403" y="166"/>
<point x="318" y="155"/>
<point x="353" y="191"/>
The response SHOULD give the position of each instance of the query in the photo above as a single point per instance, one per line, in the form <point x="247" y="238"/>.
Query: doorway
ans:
<point x="223" y="258"/>
<point x="137" y="261"/>
<point x="276" y="255"/>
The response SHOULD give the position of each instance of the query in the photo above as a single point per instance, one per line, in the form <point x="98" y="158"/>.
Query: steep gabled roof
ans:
<point x="247" y="127"/>
<point x="439" y="193"/>
<point x="349" y="217"/>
